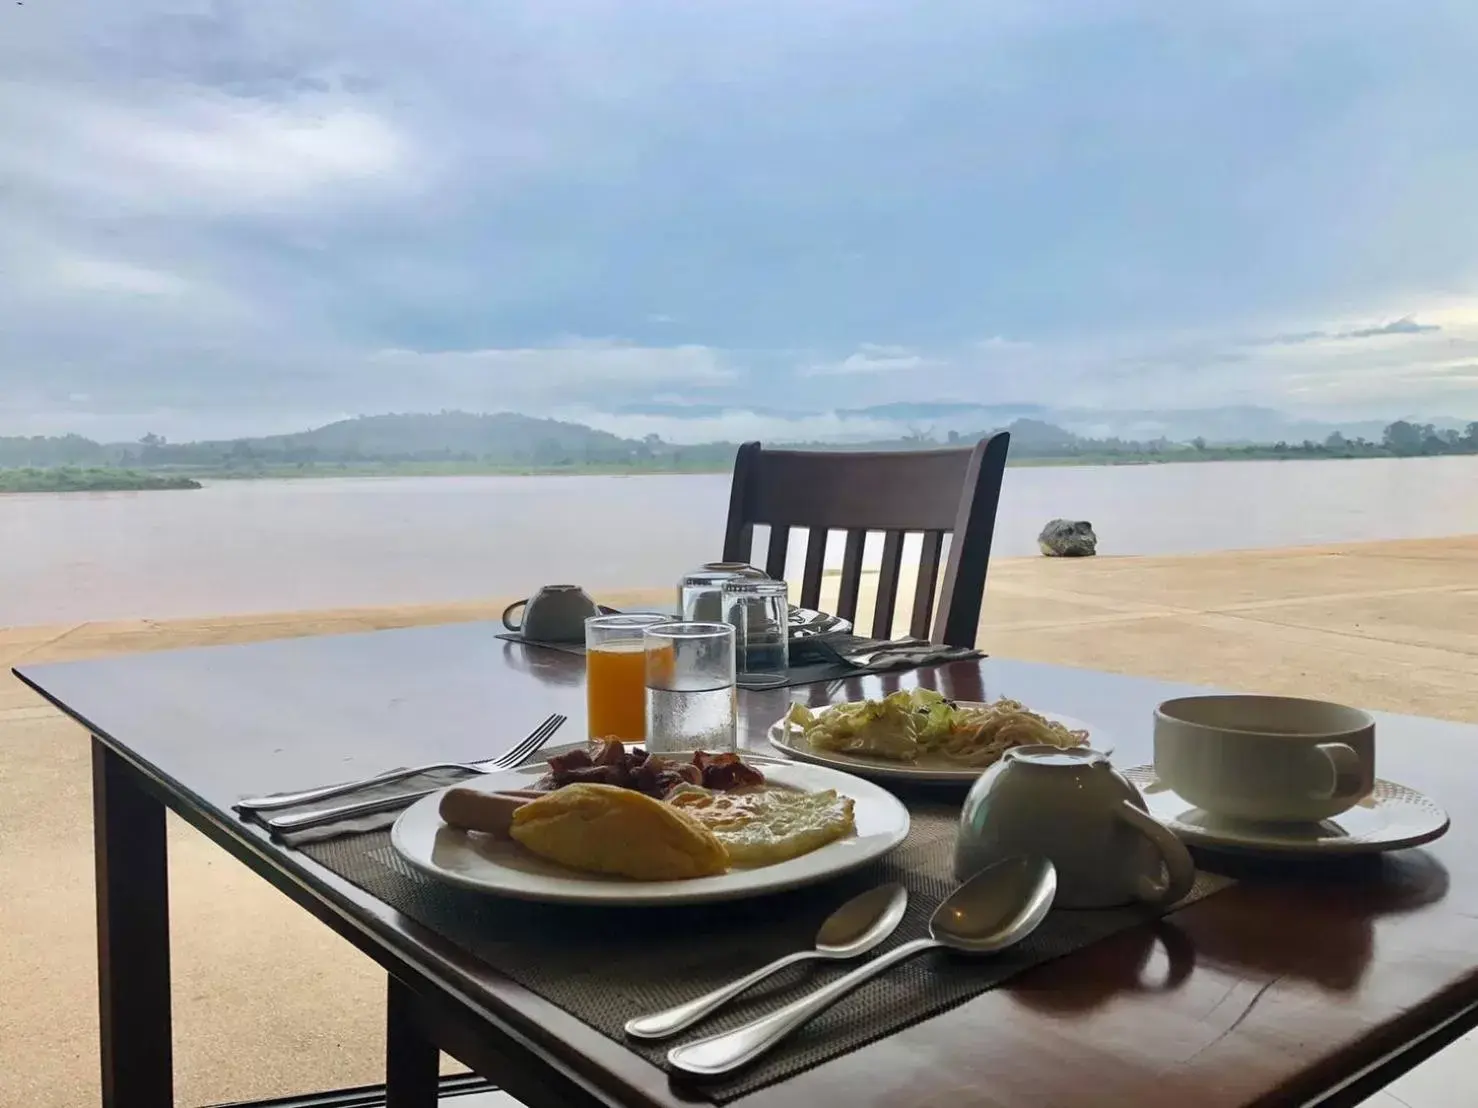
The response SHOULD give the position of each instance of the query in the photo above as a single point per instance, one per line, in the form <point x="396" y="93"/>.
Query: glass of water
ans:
<point x="690" y="687"/>
<point x="760" y="614"/>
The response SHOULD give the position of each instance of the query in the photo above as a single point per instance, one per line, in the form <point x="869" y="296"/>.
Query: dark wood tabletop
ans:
<point x="1298" y="985"/>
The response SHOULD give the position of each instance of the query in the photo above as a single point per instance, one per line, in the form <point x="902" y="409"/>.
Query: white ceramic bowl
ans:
<point x="1265" y="758"/>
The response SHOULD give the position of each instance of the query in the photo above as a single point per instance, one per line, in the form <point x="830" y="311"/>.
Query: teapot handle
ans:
<point x="1178" y="865"/>
<point x="508" y="612"/>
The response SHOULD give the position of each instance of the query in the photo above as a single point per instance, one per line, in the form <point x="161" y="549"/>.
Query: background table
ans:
<point x="1300" y="985"/>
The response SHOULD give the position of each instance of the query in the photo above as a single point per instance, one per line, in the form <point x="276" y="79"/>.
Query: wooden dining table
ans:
<point x="1298" y="985"/>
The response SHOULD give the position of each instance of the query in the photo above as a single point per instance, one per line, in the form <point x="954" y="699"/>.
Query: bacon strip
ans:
<point x="612" y="764"/>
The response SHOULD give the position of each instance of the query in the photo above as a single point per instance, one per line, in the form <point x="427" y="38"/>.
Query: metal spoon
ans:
<point x="998" y="907"/>
<point x="855" y="928"/>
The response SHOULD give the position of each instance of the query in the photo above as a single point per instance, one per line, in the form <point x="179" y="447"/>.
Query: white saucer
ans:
<point x="1392" y="817"/>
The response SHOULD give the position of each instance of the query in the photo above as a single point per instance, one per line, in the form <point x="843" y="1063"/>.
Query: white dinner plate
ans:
<point x="1392" y="817"/>
<point x="787" y="737"/>
<point x="501" y="866"/>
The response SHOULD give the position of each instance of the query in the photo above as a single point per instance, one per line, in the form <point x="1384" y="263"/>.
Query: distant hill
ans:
<point x="1227" y="425"/>
<point x="467" y="442"/>
<point x="500" y="435"/>
<point x="503" y="439"/>
<point x="1035" y="436"/>
<point x="52" y="451"/>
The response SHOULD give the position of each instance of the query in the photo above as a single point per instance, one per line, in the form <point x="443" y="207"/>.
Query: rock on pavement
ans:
<point x="1066" y="538"/>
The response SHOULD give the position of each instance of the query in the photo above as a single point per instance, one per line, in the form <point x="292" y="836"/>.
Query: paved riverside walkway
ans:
<point x="268" y="1003"/>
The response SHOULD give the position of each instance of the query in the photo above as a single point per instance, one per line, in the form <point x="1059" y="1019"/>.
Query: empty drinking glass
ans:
<point x="760" y="614"/>
<point x="690" y="687"/>
<point x="700" y="594"/>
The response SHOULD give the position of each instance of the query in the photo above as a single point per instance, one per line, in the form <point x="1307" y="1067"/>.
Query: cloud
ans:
<point x="739" y="424"/>
<point x="240" y="213"/>
<point x="581" y="365"/>
<point x="1403" y="326"/>
<point x="188" y="153"/>
<point x="1329" y="372"/>
<point x="870" y="358"/>
<point x="1461" y="373"/>
<point x="245" y="378"/>
<point x="92" y="274"/>
<point x="1406" y="325"/>
<point x="1294" y="338"/>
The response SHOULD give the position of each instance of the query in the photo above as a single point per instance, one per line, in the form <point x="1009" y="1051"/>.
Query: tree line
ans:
<point x="450" y="440"/>
<point x="1400" y="439"/>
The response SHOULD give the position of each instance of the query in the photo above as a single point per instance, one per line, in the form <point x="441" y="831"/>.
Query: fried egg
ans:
<point x="762" y="826"/>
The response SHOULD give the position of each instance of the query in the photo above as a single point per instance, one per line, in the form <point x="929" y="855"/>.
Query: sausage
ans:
<point x="478" y="810"/>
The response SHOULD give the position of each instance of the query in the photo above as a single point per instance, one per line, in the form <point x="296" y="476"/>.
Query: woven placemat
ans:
<point x="605" y="965"/>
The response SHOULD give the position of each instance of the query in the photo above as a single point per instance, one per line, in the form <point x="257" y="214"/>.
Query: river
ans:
<point x="250" y="546"/>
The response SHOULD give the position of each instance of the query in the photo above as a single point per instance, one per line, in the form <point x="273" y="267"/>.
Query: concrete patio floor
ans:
<point x="269" y="1003"/>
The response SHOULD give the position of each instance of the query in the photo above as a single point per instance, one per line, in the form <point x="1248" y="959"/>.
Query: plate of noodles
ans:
<point x="920" y="735"/>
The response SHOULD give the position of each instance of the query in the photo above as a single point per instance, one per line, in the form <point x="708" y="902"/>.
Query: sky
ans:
<point x="230" y="218"/>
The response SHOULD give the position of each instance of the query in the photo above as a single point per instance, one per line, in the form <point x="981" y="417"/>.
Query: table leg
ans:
<point x="412" y="1061"/>
<point x="133" y="936"/>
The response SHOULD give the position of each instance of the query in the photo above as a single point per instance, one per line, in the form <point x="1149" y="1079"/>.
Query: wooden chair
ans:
<point x="932" y="492"/>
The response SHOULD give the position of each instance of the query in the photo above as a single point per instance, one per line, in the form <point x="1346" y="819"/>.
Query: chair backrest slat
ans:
<point x="963" y="592"/>
<point x="887" y="599"/>
<point x="851" y="583"/>
<point x="923" y="597"/>
<point x="936" y="492"/>
<point x="815" y="566"/>
<point x="739" y="529"/>
<point x="775" y="556"/>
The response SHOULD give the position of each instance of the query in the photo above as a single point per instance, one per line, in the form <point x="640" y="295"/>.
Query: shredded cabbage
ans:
<point x="917" y="722"/>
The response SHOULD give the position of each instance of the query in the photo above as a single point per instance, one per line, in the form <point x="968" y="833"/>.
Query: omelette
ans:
<point x="608" y="829"/>
<point x="759" y="827"/>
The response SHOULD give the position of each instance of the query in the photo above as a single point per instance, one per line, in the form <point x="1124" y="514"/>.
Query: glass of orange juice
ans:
<point x="616" y="676"/>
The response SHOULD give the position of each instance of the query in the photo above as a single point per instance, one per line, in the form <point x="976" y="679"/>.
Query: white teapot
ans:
<point x="1073" y="807"/>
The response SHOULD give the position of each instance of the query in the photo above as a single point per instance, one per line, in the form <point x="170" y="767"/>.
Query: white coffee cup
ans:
<point x="1268" y="758"/>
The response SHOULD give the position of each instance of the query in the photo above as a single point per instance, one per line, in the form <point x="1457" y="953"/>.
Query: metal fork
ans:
<point x="519" y="754"/>
<point x="301" y="821"/>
